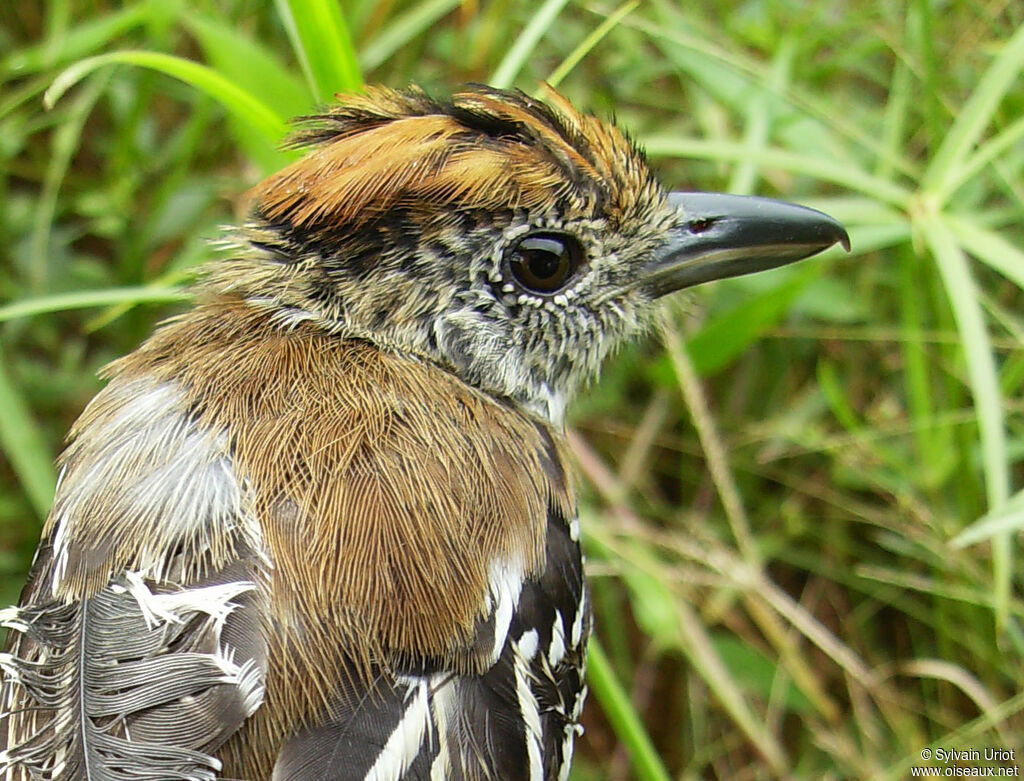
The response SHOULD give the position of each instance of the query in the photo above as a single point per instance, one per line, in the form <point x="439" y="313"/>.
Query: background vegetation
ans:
<point x="798" y="497"/>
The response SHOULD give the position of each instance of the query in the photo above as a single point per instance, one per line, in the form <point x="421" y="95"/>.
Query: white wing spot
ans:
<point x="442" y="704"/>
<point x="527" y="646"/>
<point x="577" y="625"/>
<point x="506" y="584"/>
<point x="574" y="529"/>
<point x="406" y="739"/>
<point x="556" y="652"/>
<point x="577" y="708"/>
<point x="529" y="709"/>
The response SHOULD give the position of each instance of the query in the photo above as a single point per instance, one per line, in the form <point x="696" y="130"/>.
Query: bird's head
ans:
<point x="513" y="242"/>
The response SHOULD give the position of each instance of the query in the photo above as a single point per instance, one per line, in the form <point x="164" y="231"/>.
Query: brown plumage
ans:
<point x="320" y="526"/>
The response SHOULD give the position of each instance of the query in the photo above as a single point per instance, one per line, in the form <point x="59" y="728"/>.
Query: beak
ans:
<point x="721" y="236"/>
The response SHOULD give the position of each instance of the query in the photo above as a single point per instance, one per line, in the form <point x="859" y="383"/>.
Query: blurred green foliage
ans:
<point x="801" y="518"/>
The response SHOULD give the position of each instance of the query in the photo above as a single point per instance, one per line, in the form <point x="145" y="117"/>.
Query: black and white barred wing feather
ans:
<point x="130" y="683"/>
<point x="120" y="668"/>
<point x="515" y="722"/>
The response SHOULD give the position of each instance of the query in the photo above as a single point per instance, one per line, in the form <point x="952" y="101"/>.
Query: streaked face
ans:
<point x="513" y="242"/>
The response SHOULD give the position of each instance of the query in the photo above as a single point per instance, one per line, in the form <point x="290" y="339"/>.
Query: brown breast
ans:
<point x="385" y="489"/>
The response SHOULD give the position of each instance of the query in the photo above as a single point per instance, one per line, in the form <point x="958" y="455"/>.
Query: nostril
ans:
<point x="701" y="225"/>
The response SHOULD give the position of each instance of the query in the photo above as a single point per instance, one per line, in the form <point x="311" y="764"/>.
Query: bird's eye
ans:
<point x="544" y="263"/>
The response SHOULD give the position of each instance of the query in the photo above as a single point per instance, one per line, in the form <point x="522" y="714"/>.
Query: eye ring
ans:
<point x="544" y="262"/>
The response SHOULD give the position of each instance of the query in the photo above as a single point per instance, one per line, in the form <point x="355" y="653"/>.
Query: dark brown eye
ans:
<point x="544" y="263"/>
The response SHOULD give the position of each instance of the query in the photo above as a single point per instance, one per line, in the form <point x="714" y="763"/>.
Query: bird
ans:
<point x="323" y="524"/>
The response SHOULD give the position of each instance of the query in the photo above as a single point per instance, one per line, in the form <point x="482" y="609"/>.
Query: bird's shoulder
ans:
<point x="355" y="506"/>
<point x="377" y="478"/>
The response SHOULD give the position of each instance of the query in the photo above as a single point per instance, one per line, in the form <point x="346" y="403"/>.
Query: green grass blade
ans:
<point x="252" y="67"/>
<point x="728" y="335"/>
<point x="524" y="45"/>
<point x="238" y="102"/>
<point x="174" y="280"/>
<point x="984" y="381"/>
<point x="576" y="55"/>
<point x="249" y="64"/>
<point x="402" y="29"/>
<point x="1008" y="518"/>
<point x="833" y="171"/>
<point x="25" y="447"/>
<point x="623" y="717"/>
<point x="670" y="33"/>
<point x="58" y="19"/>
<point x="65" y="142"/>
<point x="320" y="38"/>
<point x="989" y="247"/>
<point x="975" y="115"/>
<point x="967" y="734"/>
<point x="758" y="119"/>
<point x="81" y="41"/>
<point x="88" y="299"/>
<point x="917" y="367"/>
<point x="895" y="119"/>
<point x="919" y="46"/>
<point x="988" y="152"/>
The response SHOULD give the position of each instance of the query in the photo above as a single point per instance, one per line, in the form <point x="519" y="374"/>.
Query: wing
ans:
<point x="137" y="649"/>
<point x="515" y="721"/>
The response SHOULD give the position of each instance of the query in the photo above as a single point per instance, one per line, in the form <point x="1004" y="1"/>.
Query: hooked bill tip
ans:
<point x="721" y="236"/>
